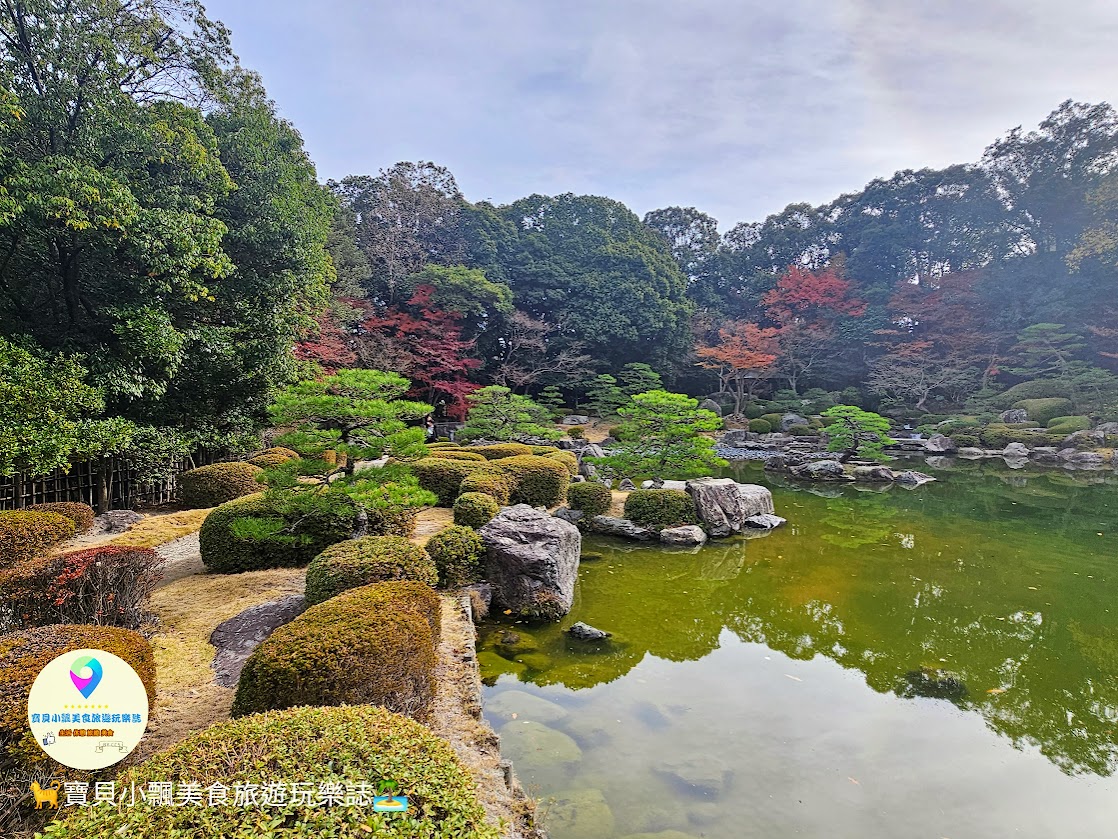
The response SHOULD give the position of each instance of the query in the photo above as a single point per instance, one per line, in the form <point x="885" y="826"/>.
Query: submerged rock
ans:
<point x="764" y="521"/>
<point x="584" y="632"/>
<point x="579" y="814"/>
<point x="521" y="705"/>
<point x="699" y="775"/>
<point x="933" y="683"/>
<point x="689" y="536"/>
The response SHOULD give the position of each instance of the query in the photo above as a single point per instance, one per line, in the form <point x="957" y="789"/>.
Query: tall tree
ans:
<point x="743" y="356"/>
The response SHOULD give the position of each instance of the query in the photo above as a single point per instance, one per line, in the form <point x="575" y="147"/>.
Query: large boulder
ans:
<point x="940" y="443"/>
<point x="592" y="450"/>
<point x="532" y="561"/>
<point x="1107" y="427"/>
<point x="613" y="526"/>
<point x="688" y="536"/>
<point x="723" y="505"/>
<point x="1087" y="460"/>
<point x="680" y="485"/>
<point x="913" y="479"/>
<point x="792" y="420"/>
<point x="711" y="405"/>
<point x="575" y="419"/>
<point x="1013" y="415"/>
<point x="1093" y="437"/>
<point x="1015" y="450"/>
<point x="874" y="474"/>
<point x="822" y="470"/>
<point x="735" y="438"/>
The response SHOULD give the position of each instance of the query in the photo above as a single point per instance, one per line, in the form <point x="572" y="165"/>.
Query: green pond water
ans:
<point x="941" y="663"/>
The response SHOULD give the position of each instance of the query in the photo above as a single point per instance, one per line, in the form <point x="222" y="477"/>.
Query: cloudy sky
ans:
<point x="737" y="107"/>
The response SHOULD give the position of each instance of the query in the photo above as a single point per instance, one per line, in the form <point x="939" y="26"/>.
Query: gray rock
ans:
<point x="791" y="420"/>
<point x="703" y="776"/>
<point x="592" y="450"/>
<point x="569" y="515"/>
<point x="764" y="521"/>
<point x="940" y="443"/>
<point x="1087" y="459"/>
<point x="584" y="632"/>
<point x="575" y="419"/>
<point x="822" y="470"/>
<point x="613" y="526"/>
<point x="532" y="561"/>
<point x="711" y="405"/>
<point x="1014" y="415"/>
<point x="680" y="485"/>
<point x="520" y="705"/>
<point x="236" y="638"/>
<point x="722" y="505"/>
<point x="1015" y="450"/>
<point x="115" y="521"/>
<point x="1107" y="427"/>
<point x="1092" y="437"/>
<point x="626" y="485"/>
<point x="587" y="470"/>
<point x="874" y="474"/>
<point x="689" y="536"/>
<point x="579" y="814"/>
<point x="913" y="479"/>
<point x="735" y="438"/>
<point x="1067" y="454"/>
<point x="1044" y="454"/>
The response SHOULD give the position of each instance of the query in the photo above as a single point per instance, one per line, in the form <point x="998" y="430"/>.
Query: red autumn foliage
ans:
<point x="332" y="347"/>
<point x="811" y="297"/>
<point x="743" y="357"/>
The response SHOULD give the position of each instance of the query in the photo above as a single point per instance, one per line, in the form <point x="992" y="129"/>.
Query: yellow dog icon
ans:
<point x="48" y="796"/>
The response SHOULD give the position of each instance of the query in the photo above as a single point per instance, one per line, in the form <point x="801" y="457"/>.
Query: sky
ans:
<point x="737" y="107"/>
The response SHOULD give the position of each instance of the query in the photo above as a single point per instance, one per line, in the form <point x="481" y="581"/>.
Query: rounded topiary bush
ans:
<point x="443" y="477"/>
<point x="23" y="654"/>
<point x="1044" y="410"/>
<point x="81" y="515"/>
<point x="209" y="486"/>
<point x="536" y="481"/>
<point x="754" y="412"/>
<point x="801" y="431"/>
<point x="373" y="645"/>
<point x="226" y="551"/>
<point x="24" y="533"/>
<point x="592" y="498"/>
<point x="502" y="450"/>
<point x="966" y="440"/>
<point x="760" y="426"/>
<point x="354" y="746"/>
<point x="660" y="508"/>
<point x="576" y="432"/>
<point x="275" y="456"/>
<point x="1068" y="425"/>
<point x="457" y="553"/>
<point x="491" y="481"/>
<point x="544" y="450"/>
<point x="370" y="559"/>
<point x="457" y="454"/>
<point x="474" y="509"/>
<point x="773" y="420"/>
<point x="568" y="459"/>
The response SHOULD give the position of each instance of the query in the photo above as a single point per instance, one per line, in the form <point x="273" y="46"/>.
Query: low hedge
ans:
<point x="498" y="451"/>
<point x="997" y="436"/>
<point x="801" y="431"/>
<point x="1035" y="389"/>
<point x="475" y="509"/>
<point x="576" y="432"/>
<point x="81" y="515"/>
<point x="590" y="497"/>
<point x="1069" y="425"/>
<point x="457" y="553"/>
<point x="356" y="747"/>
<point x="456" y="454"/>
<point x="754" y="412"/>
<point x="536" y="481"/>
<point x="545" y="450"/>
<point x="209" y="486"/>
<point x="23" y="654"/>
<point x="760" y="426"/>
<point x="275" y="456"/>
<point x="1043" y="410"/>
<point x="106" y="586"/>
<point x="370" y="559"/>
<point x="226" y="553"/>
<point x="660" y="508"/>
<point x="443" y="477"/>
<point x="373" y="645"/>
<point x="491" y="481"/>
<point x="773" y="420"/>
<point x="24" y="534"/>
<point x="966" y="440"/>
<point x="568" y="459"/>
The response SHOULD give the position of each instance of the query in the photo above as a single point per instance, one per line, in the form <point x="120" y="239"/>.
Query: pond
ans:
<point x="941" y="662"/>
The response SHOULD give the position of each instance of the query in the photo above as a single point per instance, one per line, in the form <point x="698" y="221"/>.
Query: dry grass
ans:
<point x="158" y="530"/>
<point x="430" y="522"/>
<point x="188" y="699"/>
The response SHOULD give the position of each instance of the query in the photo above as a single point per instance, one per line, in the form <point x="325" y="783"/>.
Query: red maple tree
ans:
<point x="743" y="357"/>
<point x="332" y="346"/>
<point x="814" y="297"/>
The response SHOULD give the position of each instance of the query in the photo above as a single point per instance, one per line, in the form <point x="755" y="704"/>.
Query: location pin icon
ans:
<point x="86" y="684"/>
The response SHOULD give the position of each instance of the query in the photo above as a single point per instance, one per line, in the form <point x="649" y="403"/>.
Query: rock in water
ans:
<point x="764" y="521"/>
<point x="579" y="814"/>
<point x="939" y="443"/>
<point x="532" y="561"/>
<point x="613" y="526"/>
<point x="519" y="705"/>
<point x="913" y="479"/>
<point x="688" y="536"/>
<point x="874" y="474"/>
<point x="584" y="632"/>
<point x="723" y="505"/>
<point x="1015" y="450"/>
<point x="822" y="470"/>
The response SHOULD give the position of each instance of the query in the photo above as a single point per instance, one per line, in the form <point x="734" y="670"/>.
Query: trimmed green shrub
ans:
<point x="474" y="509"/>
<point x="773" y="420"/>
<point x="209" y="486"/>
<point x="660" y="508"/>
<point x="456" y="454"/>
<point x="966" y="440"/>
<point x="999" y="436"/>
<point x="275" y="456"/>
<point x="801" y="431"/>
<point x="753" y="412"/>
<point x="1068" y="425"/>
<point x="568" y="459"/>
<point x="443" y="477"/>
<point x="1035" y="389"/>
<point x="760" y="426"/>
<point x="354" y="747"/>
<point x="370" y="559"/>
<point x="226" y="551"/>
<point x="590" y="497"/>
<point x="491" y="481"/>
<point x="1044" y="410"/>
<point x="24" y="534"/>
<point x="373" y="645"/>
<point x="576" y="432"/>
<point x="23" y="654"/>
<point x="544" y="450"/>
<point x="497" y="451"/>
<point x="616" y="432"/>
<point x="80" y="514"/>
<point x="106" y="586"/>
<point x="537" y="481"/>
<point x="457" y="553"/>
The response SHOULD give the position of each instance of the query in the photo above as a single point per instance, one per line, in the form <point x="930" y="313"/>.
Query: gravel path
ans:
<point x="181" y="558"/>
